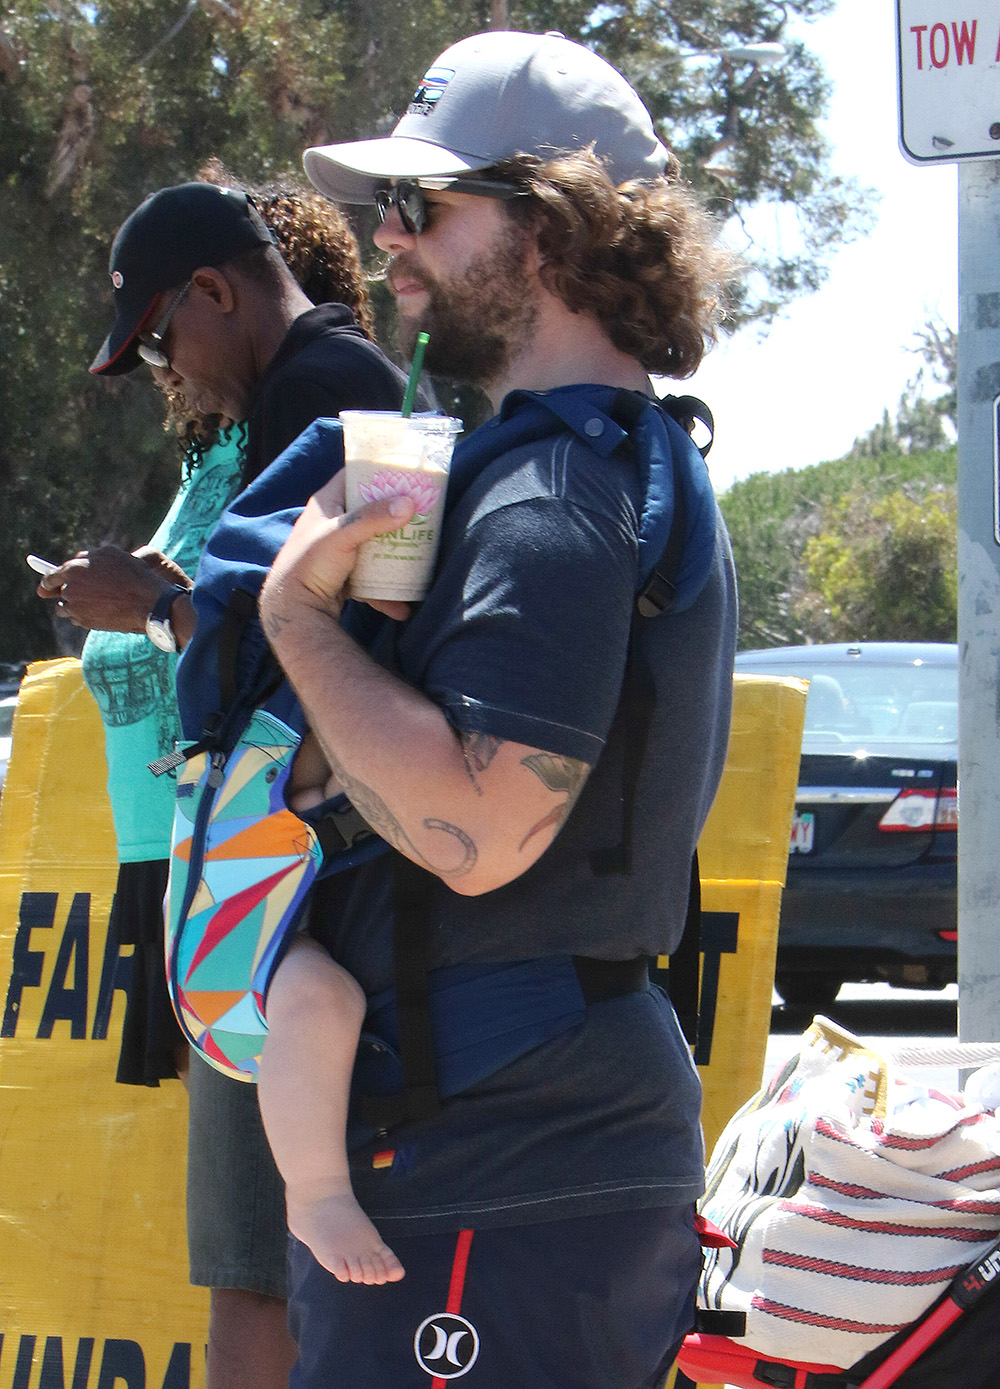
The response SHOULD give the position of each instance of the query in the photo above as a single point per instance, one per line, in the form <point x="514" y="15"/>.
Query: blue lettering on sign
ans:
<point x="116" y="973"/>
<point x="70" y="1003"/>
<point x="68" y="991"/>
<point x="53" y="1375"/>
<point x="122" y="1360"/>
<point x="38" y="911"/>
<point x="123" y="1365"/>
<point x="718" y="936"/>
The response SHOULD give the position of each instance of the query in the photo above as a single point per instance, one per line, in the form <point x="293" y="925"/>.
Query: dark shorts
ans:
<point x="150" y="1032"/>
<point x="597" y="1302"/>
<point x="237" y="1232"/>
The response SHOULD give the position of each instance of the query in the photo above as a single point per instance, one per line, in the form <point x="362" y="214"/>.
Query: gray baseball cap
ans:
<point x="492" y="96"/>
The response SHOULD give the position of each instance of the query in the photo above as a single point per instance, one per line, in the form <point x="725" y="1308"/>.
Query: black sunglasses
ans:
<point x="407" y="196"/>
<point x="150" y="345"/>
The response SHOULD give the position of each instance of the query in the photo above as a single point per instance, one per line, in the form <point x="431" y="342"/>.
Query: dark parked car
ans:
<point x="872" y="873"/>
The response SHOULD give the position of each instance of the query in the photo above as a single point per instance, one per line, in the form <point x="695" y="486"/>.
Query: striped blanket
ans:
<point x="853" y="1197"/>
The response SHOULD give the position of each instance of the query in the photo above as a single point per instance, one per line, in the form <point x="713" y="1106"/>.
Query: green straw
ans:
<point x="411" y="385"/>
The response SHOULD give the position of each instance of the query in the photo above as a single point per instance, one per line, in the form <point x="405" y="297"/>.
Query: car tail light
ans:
<point x="922" y="810"/>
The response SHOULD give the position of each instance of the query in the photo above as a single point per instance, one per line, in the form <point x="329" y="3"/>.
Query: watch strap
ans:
<point x="161" y="608"/>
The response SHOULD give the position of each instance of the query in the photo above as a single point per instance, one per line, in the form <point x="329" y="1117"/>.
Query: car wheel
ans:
<point x="805" y="992"/>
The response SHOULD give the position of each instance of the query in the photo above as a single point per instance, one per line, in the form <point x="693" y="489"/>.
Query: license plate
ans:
<point x="803" y="830"/>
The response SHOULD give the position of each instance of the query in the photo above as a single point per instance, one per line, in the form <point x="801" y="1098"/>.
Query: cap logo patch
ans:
<point x="117" y="279"/>
<point x="430" y="91"/>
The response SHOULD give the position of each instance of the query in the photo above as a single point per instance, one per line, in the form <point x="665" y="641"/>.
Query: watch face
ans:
<point x="161" y="634"/>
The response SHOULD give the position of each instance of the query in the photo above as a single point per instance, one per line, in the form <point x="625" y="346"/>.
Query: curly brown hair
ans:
<point x="644" y="258"/>
<point x="321" y="251"/>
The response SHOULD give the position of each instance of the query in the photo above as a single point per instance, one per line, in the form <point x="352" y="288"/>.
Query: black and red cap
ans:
<point x="166" y="239"/>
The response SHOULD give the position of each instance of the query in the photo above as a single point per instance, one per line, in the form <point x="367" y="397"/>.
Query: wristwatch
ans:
<point x="158" y="628"/>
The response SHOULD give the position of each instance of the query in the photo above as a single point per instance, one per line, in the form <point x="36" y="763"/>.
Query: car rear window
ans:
<point x="906" y="703"/>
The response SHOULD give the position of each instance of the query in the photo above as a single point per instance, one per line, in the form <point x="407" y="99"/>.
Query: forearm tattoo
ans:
<point x="372" y="808"/>
<point x="273" y="625"/>
<point x="558" y="774"/>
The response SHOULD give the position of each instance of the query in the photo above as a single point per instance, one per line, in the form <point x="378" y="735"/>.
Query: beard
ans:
<point x="478" y="321"/>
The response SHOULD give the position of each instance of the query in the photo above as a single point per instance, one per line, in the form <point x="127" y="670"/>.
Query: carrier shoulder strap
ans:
<point x="639" y="694"/>
<point x="686" y="410"/>
<point x="239" y="610"/>
<point x="682" y="976"/>
<point x="413" y="890"/>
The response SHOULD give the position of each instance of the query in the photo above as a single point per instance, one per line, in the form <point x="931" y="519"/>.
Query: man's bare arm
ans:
<point x="475" y="810"/>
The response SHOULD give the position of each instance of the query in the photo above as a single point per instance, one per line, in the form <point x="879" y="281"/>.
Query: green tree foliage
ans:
<point x="102" y="101"/>
<point x="884" y="570"/>
<point x="864" y="546"/>
<point x="781" y="523"/>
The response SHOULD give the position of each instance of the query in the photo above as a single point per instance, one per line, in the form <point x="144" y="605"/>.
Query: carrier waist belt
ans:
<point x="603" y="979"/>
<point x="484" y="1017"/>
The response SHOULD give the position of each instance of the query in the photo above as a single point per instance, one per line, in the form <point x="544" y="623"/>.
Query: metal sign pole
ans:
<point x="979" y="600"/>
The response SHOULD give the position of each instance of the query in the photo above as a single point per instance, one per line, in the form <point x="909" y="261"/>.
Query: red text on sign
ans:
<point x="944" y="45"/>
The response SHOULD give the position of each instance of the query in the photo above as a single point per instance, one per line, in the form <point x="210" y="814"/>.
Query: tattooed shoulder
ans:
<point x="558" y="773"/>
<point x="478" y="750"/>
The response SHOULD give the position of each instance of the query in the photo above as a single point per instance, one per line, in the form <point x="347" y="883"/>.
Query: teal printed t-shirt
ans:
<point x="133" y="682"/>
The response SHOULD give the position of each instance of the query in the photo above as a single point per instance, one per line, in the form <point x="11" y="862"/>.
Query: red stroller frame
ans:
<point x="719" y="1359"/>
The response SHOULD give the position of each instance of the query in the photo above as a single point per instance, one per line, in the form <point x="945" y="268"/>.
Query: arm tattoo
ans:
<point x="558" y="774"/>
<point x="470" y="852"/>
<point x="478" y="750"/>
<point x="273" y="623"/>
<point x="372" y="808"/>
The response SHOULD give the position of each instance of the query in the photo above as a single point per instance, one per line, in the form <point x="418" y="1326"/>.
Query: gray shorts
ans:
<point x="237" y="1234"/>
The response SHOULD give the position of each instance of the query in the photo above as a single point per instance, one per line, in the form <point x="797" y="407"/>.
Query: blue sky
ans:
<point x="828" y="368"/>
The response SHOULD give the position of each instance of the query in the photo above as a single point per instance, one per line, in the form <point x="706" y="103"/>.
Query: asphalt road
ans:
<point x="877" y="1010"/>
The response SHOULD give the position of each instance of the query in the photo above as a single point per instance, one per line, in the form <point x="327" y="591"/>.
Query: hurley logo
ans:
<point x="446" y="1345"/>
<point x="430" y="91"/>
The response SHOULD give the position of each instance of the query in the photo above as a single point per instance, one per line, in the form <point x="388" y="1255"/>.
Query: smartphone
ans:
<point x="41" y="566"/>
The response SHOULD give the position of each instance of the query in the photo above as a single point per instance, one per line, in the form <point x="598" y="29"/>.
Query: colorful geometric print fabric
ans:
<point x="241" y="864"/>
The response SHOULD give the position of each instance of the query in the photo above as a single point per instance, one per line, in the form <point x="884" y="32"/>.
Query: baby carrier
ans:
<point x="242" y="863"/>
<point x="859" y="1214"/>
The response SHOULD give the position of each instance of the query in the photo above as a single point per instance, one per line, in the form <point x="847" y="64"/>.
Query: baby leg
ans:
<point x="314" y="1014"/>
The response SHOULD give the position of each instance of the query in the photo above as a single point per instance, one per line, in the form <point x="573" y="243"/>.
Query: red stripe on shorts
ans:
<point x="456" y="1287"/>
<point x="458" y="1270"/>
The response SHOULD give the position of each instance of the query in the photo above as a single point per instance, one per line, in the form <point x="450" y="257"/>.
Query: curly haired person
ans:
<point x="539" y="753"/>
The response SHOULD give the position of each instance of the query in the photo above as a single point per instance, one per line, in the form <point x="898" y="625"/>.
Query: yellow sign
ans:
<point x="94" y="1290"/>
<point x="743" y="855"/>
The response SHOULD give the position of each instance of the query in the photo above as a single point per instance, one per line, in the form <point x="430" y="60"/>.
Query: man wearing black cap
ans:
<point x="544" y="741"/>
<point x="202" y="296"/>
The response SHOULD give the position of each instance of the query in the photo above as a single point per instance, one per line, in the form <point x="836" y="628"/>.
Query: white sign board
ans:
<point x="948" y="66"/>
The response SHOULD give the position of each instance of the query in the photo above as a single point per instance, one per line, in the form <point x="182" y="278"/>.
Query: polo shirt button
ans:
<point x="593" y="428"/>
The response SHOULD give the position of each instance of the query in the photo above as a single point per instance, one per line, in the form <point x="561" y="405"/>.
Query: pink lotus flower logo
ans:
<point x="386" y="483"/>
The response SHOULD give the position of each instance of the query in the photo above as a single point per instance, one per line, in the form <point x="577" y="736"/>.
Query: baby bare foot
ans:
<point x="343" y="1239"/>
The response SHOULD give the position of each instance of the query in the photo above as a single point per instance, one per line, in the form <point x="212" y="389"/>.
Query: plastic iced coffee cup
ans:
<point x="388" y="454"/>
